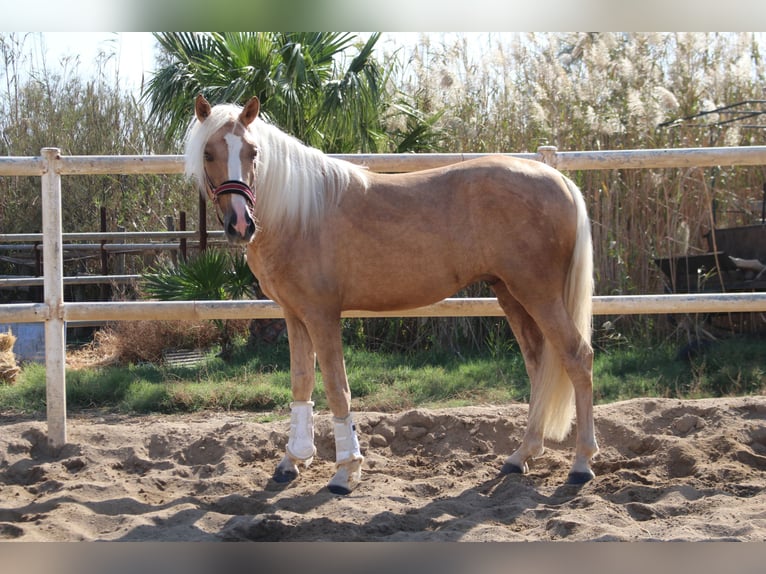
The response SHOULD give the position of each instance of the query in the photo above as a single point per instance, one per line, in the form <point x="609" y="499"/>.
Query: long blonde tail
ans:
<point x="553" y="406"/>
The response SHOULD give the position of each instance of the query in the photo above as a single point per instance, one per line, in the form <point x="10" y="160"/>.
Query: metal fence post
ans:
<point x="53" y="296"/>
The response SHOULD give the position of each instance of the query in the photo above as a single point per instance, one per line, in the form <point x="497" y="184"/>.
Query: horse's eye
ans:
<point x="208" y="156"/>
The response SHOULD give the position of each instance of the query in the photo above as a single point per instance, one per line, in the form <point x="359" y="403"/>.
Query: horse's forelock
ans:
<point x="198" y="134"/>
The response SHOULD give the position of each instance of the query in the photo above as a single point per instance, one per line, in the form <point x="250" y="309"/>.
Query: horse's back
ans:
<point x="505" y="182"/>
<point x="476" y="202"/>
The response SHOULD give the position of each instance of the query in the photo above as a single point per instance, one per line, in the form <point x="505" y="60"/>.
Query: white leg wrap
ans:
<point x="300" y="445"/>
<point x="346" y="441"/>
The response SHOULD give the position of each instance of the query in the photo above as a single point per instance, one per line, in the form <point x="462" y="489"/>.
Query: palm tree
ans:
<point x="307" y="82"/>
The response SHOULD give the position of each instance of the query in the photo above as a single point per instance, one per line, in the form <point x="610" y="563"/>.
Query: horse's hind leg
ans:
<point x="300" y="448"/>
<point x="579" y="365"/>
<point x="530" y="341"/>
<point x="555" y="354"/>
<point x="576" y="356"/>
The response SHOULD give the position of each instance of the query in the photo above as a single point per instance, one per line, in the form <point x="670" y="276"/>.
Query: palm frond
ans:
<point x="213" y="275"/>
<point x="306" y="83"/>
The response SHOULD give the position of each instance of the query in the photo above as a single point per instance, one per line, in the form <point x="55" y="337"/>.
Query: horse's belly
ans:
<point x="403" y="288"/>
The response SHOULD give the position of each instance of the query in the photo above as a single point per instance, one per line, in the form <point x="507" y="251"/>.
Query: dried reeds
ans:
<point x="126" y="342"/>
<point x="8" y="367"/>
<point x="608" y="91"/>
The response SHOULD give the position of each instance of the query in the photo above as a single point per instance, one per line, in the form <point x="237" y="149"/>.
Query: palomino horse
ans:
<point x="324" y="236"/>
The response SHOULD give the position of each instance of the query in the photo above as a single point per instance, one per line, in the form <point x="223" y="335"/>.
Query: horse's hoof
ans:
<point x="510" y="468"/>
<point x="287" y="470"/>
<point x="578" y="478"/>
<point x="338" y="489"/>
<point x="347" y="478"/>
<point x="284" y="476"/>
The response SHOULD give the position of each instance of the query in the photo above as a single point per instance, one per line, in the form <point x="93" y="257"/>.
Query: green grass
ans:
<point x="735" y="366"/>
<point x="391" y="381"/>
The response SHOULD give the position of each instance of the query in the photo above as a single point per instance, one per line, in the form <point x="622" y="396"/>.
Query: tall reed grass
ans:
<point x="591" y="91"/>
<point x="43" y="104"/>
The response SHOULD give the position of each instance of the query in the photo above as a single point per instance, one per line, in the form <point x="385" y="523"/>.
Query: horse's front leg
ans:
<point x="348" y="457"/>
<point x="300" y="448"/>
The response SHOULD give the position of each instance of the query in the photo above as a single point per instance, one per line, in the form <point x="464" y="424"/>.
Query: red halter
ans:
<point x="230" y="186"/>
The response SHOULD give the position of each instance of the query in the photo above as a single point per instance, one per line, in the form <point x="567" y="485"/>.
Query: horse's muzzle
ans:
<point x="238" y="226"/>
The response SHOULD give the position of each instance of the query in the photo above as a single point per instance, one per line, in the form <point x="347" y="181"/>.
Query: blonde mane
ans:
<point x="294" y="183"/>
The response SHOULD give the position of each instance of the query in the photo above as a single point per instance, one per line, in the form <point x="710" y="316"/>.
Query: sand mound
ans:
<point x="668" y="470"/>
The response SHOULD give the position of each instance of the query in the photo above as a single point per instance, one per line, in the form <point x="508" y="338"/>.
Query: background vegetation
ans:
<point x="52" y="107"/>
<point x="512" y="93"/>
<point x="501" y="93"/>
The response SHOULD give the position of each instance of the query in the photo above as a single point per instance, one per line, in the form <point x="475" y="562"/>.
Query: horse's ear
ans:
<point x="201" y="108"/>
<point x="250" y="112"/>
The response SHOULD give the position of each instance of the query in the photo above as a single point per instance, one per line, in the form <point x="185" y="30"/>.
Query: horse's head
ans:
<point x="229" y="159"/>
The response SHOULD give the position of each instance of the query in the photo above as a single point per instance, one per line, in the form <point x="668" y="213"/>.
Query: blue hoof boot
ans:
<point x="509" y="468"/>
<point x="336" y="489"/>
<point x="284" y="476"/>
<point x="579" y="477"/>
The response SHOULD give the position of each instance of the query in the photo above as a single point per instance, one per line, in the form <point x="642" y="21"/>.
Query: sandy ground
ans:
<point x="668" y="470"/>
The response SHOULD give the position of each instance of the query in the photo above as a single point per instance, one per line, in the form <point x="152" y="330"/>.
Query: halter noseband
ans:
<point x="232" y="186"/>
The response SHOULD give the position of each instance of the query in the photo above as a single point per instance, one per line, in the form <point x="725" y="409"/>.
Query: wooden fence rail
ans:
<point x="148" y="241"/>
<point x="54" y="311"/>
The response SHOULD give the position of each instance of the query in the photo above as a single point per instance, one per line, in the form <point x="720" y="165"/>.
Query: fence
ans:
<point x="55" y="312"/>
<point x="178" y="241"/>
